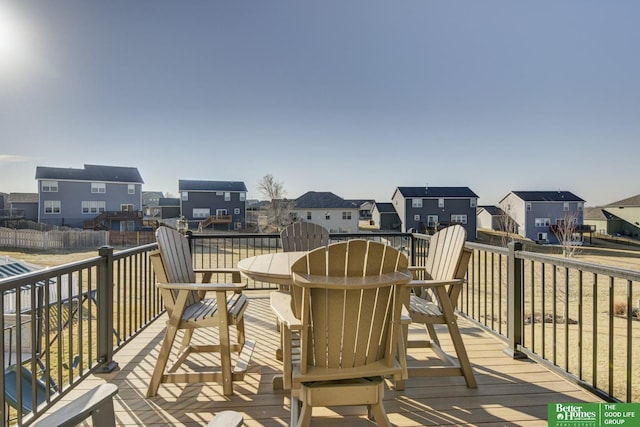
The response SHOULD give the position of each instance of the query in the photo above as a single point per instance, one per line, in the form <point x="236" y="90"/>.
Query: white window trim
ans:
<point x="53" y="206"/>
<point x="416" y="203"/>
<point x="98" y="188"/>
<point x="49" y="186"/>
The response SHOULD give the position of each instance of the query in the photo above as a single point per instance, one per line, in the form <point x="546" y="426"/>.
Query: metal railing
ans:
<point x="575" y="317"/>
<point x="64" y="323"/>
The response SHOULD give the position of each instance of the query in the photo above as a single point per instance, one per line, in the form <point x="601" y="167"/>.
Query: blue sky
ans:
<point x="355" y="97"/>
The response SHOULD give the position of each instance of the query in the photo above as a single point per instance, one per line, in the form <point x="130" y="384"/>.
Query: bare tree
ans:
<point x="279" y="208"/>
<point x="565" y="230"/>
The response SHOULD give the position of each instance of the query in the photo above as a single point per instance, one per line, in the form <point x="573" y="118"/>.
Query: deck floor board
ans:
<point x="510" y="392"/>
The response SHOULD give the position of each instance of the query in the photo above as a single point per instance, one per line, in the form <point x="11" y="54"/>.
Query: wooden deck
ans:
<point x="509" y="393"/>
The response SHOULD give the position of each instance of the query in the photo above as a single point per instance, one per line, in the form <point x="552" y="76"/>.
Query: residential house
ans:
<point x="169" y="207"/>
<point x="328" y="210"/>
<point x="628" y="211"/>
<point x="604" y="222"/>
<point x="540" y="214"/>
<point x="214" y="204"/>
<point x="385" y="217"/>
<point x="427" y="209"/>
<point x="16" y="208"/>
<point x="24" y="205"/>
<point x="494" y="218"/>
<point x="95" y="197"/>
<point x="151" y="203"/>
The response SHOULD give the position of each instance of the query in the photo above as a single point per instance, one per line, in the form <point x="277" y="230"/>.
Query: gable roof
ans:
<point x="547" y="196"/>
<point x="324" y="200"/>
<point x="385" y="208"/>
<point x="195" y="185"/>
<point x="91" y="173"/>
<point x="437" y="192"/>
<point x="492" y="210"/>
<point x="597" y="214"/>
<point x="628" y="202"/>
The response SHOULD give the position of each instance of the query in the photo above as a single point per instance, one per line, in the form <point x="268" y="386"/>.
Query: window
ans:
<point x="432" y="220"/>
<point x="184" y="196"/>
<point x="565" y="206"/>
<point x="459" y="218"/>
<point x="309" y="215"/>
<point x="220" y="212"/>
<point x="580" y="206"/>
<point x="327" y="216"/>
<point x="219" y="193"/>
<point x="416" y="203"/>
<point x="346" y="215"/>
<point x="528" y="206"/>
<point x="131" y="189"/>
<point x="236" y="211"/>
<point x="93" y="207"/>
<point x="52" y="206"/>
<point x="441" y="203"/>
<point x="201" y="212"/>
<point x="473" y="202"/>
<point x="542" y="237"/>
<point x="243" y="197"/>
<point x="49" y="186"/>
<point x="416" y="217"/>
<point x="227" y="196"/>
<point x="98" y="187"/>
<point x="126" y="208"/>
<point x="542" y="222"/>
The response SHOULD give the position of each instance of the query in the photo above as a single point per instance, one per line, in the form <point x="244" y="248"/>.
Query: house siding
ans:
<point x="335" y="223"/>
<point x="554" y="210"/>
<point x="71" y="194"/>
<point x="430" y="206"/>
<point x="211" y="195"/>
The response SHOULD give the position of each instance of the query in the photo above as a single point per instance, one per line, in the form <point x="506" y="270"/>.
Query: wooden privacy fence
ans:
<point x="71" y="239"/>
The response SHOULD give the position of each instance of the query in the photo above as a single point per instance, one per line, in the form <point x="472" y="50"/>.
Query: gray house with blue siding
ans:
<point x="214" y="204"/>
<point x="537" y="213"/>
<point x="428" y="209"/>
<point x="95" y="197"/>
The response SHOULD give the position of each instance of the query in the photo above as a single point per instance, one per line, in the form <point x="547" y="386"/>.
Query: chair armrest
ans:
<point x="203" y="286"/>
<point x="434" y="283"/>
<point x="281" y="306"/>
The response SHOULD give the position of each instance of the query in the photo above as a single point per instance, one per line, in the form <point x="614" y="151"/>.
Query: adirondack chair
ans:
<point x="303" y="236"/>
<point x="189" y="309"/>
<point x="433" y="301"/>
<point x="350" y="297"/>
<point x="299" y="236"/>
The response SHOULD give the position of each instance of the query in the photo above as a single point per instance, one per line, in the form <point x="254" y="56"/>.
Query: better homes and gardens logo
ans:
<point x="593" y="414"/>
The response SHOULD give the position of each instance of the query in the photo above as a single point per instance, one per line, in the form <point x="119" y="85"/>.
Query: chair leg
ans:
<point x="431" y="331"/>
<point x="461" y="353"/>
<point x="305" y="415"/>
<point x="379" y="414"/>
<point x="225" y="346"/>
<point x="186" y="339"/>
<point x="163" y="358"/>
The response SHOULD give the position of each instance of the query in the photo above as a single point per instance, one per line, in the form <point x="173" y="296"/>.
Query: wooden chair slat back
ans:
<point x="303" y="236"/>
<point x="349" y="327"/>
<point x="445" y="249"/>
<point x="176" y="259"/>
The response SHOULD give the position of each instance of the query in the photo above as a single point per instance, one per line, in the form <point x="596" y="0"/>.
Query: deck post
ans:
<point x="515" y="271"/>
<point x="105" y="311"/>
